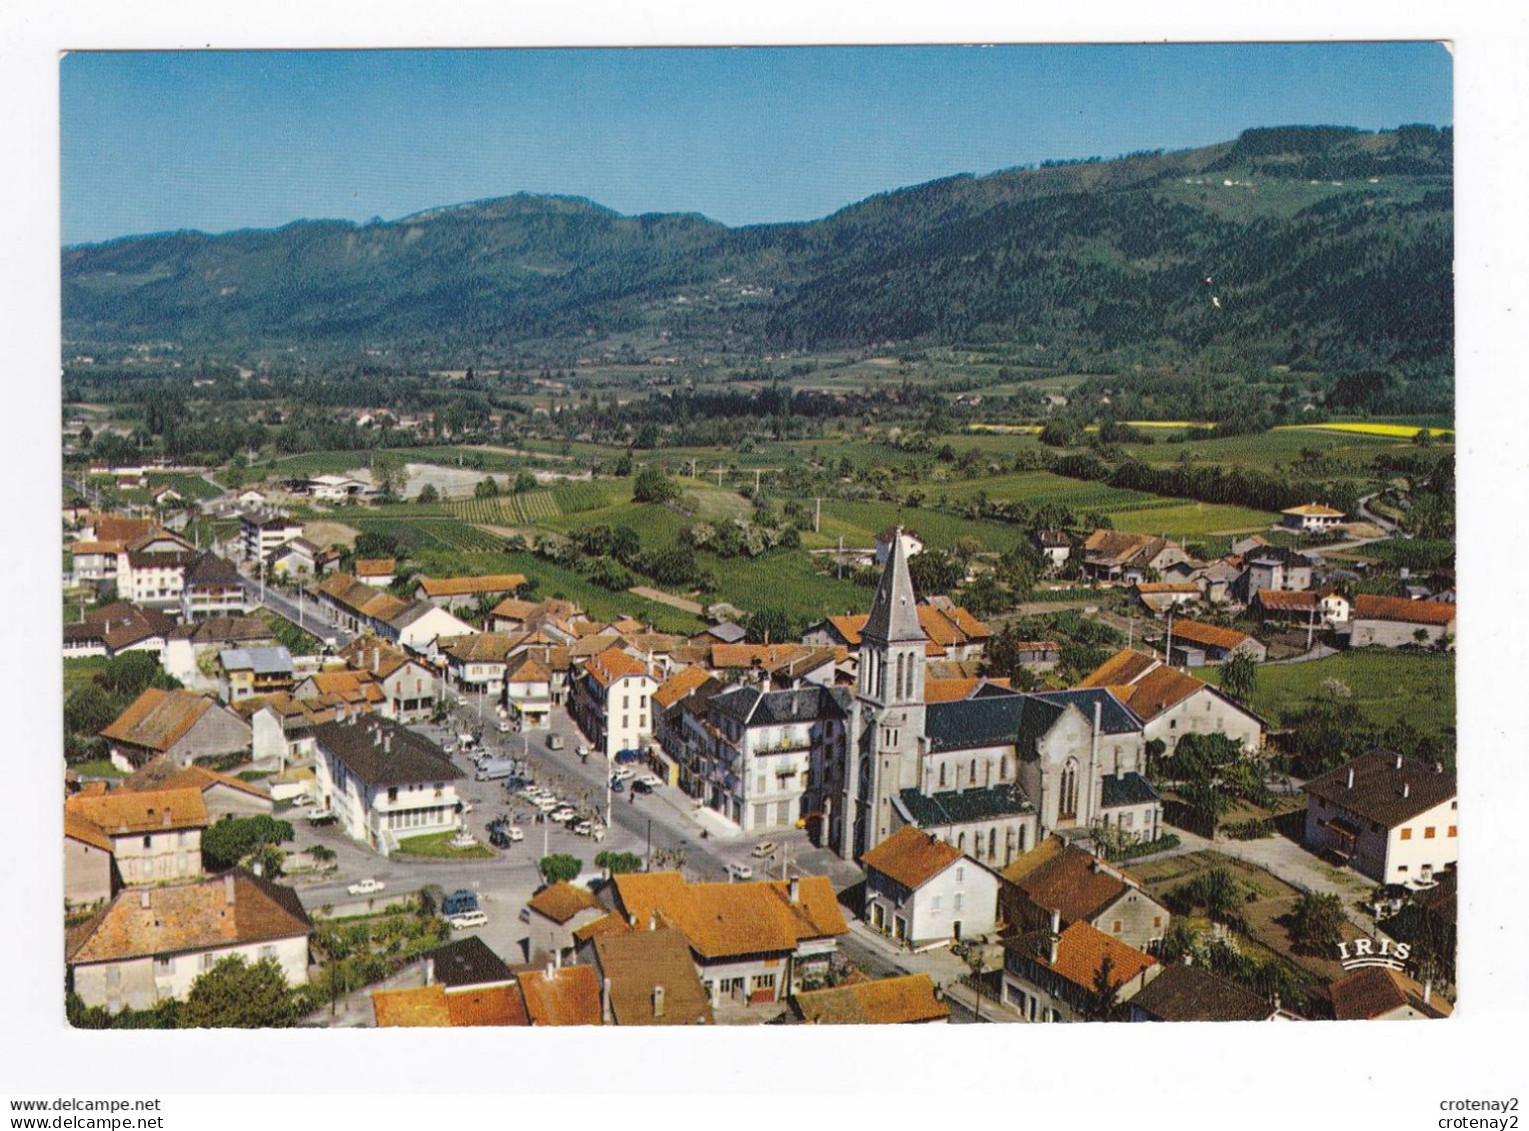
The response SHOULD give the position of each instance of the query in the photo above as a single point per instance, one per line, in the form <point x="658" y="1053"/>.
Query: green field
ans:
<point x="1190" y="520"/>
<point x="1387" y="687"/>
<point x="192" y="488"/>
<point x="81" y="671"/>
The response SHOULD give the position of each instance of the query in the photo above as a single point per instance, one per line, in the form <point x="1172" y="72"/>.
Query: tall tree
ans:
<point x="237" y="995"/>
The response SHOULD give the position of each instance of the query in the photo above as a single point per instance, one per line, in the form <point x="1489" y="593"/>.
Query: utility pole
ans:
<point x="647" y="855"/>
<point x="817" y="515"/>
<point x="692" y="466"/>
<point x="756" y="481"/>
<point x="839" y="560"/>
<point x="1130" y="630"/>
<point x="1168" y="644"/>
<point x="719" y="477"/>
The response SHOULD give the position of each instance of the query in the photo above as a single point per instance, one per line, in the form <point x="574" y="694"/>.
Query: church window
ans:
<point x="1003" y="769"/>
<point x="942" y="775"/>
<point x="972" y="777"/>
<point x="992" y="841"/>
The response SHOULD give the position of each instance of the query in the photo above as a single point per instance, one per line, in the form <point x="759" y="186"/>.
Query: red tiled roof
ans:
<point x="568" y="996"/>
<point x="467" y="586"/>
<point x="911" y="856"/>
<point x="1368" y="607"/>
<point x="1210" y="635"/>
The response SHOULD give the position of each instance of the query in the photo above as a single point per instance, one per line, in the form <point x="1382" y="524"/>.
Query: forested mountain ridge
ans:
<point x="1311" y="246"/>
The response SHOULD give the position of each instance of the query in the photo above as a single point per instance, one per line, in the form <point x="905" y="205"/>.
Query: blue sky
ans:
<point x="156" y="141"/>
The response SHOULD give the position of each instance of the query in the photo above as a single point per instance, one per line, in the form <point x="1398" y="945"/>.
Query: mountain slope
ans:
<point x="1322" y="246"/>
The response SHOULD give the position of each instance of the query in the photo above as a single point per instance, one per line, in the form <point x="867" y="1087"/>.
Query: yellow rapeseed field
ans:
<point x="1395" y="431"/>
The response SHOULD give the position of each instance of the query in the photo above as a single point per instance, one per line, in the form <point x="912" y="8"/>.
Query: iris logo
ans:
<point x="1367" y="952"/>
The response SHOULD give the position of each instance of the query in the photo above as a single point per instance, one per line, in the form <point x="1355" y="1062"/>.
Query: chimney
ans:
<point x="167" y="818"/>
<point x="1427" y="991"/>
<point x="228" y="889"/>
<point x="658" y="1001"/>
<point x="551" y="971"/>
<point x="794" y="889"/>
<point x="632" y="916"/>
<point x="1398" y="761"/>
<point x="387" y="743"/>
<point x="653" y="920"/>
<point x="1406" y="789"/>
<point x="557" y="959"/>
<point x="429" y="971"/>
<point x="605" y="1002"/>
<point x="376" y="660"/>
<point x="1351" y="777"/>
<point x="1189" y="959"/>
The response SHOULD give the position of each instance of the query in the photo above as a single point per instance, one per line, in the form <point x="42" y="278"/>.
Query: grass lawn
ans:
<point x="1190" y="520"/>
<point x="192" y="488"/>
<point x="101" y="768"/>
<point x="438" y="845"/>
<point x="1387" y="686"/>
<point x="80" y="671"/>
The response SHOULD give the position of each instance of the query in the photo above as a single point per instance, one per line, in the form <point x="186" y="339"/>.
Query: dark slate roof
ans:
<point x="894" y="609"/>
<point x="1282" y="554"/>
<point x="1127" y="789"/>
<point x="1115" y="717"/>
<point x="224" y="630"/>
<point x="1190" y="993"/>
<point x="468" y="962"/>
<point x="774" y="708"/>
<point x="410" y="758"/>
<point x="968" y="724"/>
<point x="209" y="569"/>
<point x="1380" y="777"/>
<point x="957" y="807"/>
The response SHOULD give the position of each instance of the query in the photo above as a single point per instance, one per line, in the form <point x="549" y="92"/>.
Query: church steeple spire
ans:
<point x="894" y="610"/>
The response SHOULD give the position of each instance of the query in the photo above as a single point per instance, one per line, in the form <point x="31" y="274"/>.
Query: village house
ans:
<point x="156" y="835"/>
<point x="1396" y="622"/>
<point x="1171" y="704"/>
<point x="1055" y="546"/>
<point x="1158" y="597"/>
<point x="561" y="995"/>
<point x="376" y="572"/>
<point x="912" y="544"/>
<point x="1381" y="994"/>
<point x="723" y="632"/>
<point x="477" y="663"/>
<point x="344" y="690"/>
<point x="757" y="763"/>
<point x="151" y="570"/>
<point x="1055" y="877"/>
<point x="384" y="783"/>
<point x="90" y="874"/>
<point x="338" y="488"/>
<point x="1194" y="644"/>
<point x="1310" y="518"/>
<point x="151" y="944"/>
<point x="609" y="699"/>
<point x="1051" y="975"/>
<point x="465" y="592"/>
<point x="188" y="644"/>
<point x="408" y="686"/>
<point x="212" y="587"/>
<point x="245" y="672"/>
<point x="416" y="625"/>
<point x="1185" y="992"/>
<point x="223" y="794"/>
<point x="906" y="999"/>
<point x="116" y="628"/>
<point x="951" y="632"/>
<point x="1273" y="568"/>
<point x="752" y="943"/>
<point x="555" y="913"/>
<point x="1391" y="818"/>
<point x="180" y="725"/>
<point x="1306" y="609"/>
<point x="463" y="984"/>
<point x="924" y="892"/>
<point x="1113" y="555"/>
<point x="298" y="558"/>
<point x="528" y="687"/>
<point x="648" y="978"/>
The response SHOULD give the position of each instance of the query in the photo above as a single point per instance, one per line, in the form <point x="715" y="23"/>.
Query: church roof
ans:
<point x="960" y="806"/>
<point x="894" y="609"/>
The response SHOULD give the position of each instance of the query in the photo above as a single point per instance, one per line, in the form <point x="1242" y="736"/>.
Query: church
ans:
<point x="992" y="774"/>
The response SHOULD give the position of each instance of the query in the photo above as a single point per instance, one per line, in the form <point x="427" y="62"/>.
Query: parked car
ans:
<point x="564" y="813"/>
<point x="366" y="887"/>
<point x="499" y="838"/>
<point x="628" y="755"/>
<point x="517" y="834"/>
<point x="459" y="902"/>
<point x="740" y="872"/>
<point x="504" y="727"/>
<point x="652" y="781"/>
<point x="554" y="742"/>
<point x="625" y="773"/>
<point x="583" y="828"/>
<point x="582" y="751"/>
<point x="763" y="849"/>
<point x="617" y="786"/>
<point x="640" y="786"/>
<point x="468" y="921"/>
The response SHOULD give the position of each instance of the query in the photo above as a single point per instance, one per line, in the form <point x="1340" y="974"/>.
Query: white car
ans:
<point x="766" y="848"/>
<point x="651" y="780"/>
<point x="624" y="773"/>
<point x="548" y="804"/>
<point x="366" y="887"/>
<point x="564" y="814"/>
<point x="740" y="872"/>
<point x="516" y="833"/>
<point x="301" y="800"/>
<point x="468" y="920"/>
